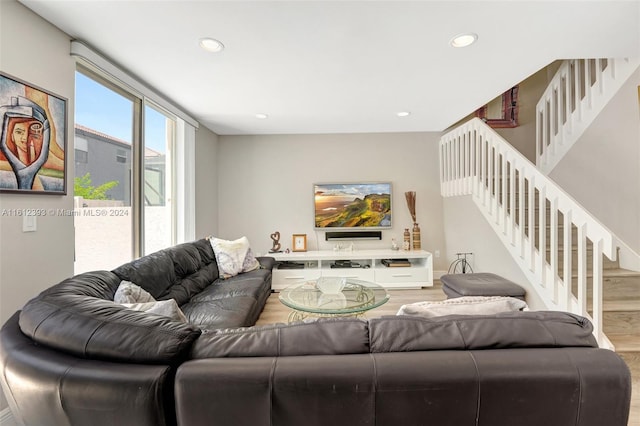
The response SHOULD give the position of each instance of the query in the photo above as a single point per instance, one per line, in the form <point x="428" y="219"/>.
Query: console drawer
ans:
<point x="402" y="275"/>
<point x="364" y="274"/>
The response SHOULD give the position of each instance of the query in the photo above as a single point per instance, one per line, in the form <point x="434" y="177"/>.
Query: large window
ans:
<point x="103" y="143"/>
<point x="124" y="178"/>
<point x="159" y="137"/>
<point x="135" y="155"/>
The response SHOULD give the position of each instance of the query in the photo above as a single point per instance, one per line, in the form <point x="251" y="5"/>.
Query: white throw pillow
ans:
<point x="233" y="257"/>
<point x="467" y="305"/>
<point x="128" y="292"/>
<point x="166" y="308"/>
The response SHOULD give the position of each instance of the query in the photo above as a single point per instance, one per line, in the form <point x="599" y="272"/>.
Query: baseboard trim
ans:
<point x="438" y="274"/>
<point x="6" y="418"/>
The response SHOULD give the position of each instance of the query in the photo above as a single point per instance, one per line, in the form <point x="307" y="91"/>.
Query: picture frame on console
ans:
<point x="299" y="242"/>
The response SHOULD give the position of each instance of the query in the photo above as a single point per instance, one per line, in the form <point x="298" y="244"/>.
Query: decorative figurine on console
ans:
<point x="276" y="243"/>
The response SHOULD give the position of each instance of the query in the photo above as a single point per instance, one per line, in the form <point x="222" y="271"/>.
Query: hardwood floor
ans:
<point x="276" y="312"/>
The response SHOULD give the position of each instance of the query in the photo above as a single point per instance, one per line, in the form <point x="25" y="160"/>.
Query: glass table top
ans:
<point x="334" y="296"/>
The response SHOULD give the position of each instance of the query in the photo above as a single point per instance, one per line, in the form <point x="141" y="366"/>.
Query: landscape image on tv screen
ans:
<point x="354" y="205"/>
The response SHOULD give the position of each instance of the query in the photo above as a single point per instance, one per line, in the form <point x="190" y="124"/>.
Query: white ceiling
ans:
<point x="341" y="66"/>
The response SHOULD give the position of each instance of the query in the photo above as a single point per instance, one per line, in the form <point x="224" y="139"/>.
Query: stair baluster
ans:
<point x="575" y="96"/>
<point x="477" y="161"/>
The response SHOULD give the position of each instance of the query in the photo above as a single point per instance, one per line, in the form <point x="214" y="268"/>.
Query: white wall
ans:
<point x="602" y="170"/>
<point x="265" y="184"/>
<point x="206" y="182"/>
<point x="36" y="52"/>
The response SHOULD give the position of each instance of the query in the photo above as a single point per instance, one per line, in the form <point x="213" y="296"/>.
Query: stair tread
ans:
<point x="621" y="305"/>
<point x="622" y="326"/>
<point x="626" y="343"/>
<point x="619" y="272"/>
<point x="612" y="273"/>
<point x="621" y="318"/>
<point x="628" y="315"/>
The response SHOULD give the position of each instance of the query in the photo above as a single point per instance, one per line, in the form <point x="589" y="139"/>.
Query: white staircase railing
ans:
<point x="535" y="219"/>
<point x="576" y="95"/>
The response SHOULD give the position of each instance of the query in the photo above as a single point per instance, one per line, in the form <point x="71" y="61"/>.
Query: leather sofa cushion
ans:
<point x="465" y="332"/>
<point x="232" y="302"/>
<point x="327" y="336"/>
<point x="178" y="272"/>
<point x="220" y="313"/>
<point x="248" y="284"/>
<point x="73" y="317"/>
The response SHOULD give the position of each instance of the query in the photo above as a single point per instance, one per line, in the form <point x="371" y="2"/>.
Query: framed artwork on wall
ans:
<point x="502" y="112"/>
<point x="299" y="242"/>
<point x="33" y="139"/>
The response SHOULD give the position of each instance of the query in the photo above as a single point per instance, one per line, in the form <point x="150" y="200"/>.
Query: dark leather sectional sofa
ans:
<point x="73" y="357"/>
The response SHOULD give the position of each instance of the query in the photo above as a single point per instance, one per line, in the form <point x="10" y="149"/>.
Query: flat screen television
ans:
<point x="352" y="206"/>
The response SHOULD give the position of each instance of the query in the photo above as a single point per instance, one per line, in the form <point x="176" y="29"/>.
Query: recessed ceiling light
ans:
<point x="262" y="116"/>
<point x="211" y="45"/>
<point x="403" y="114"/>
<point x="464" y="40"/>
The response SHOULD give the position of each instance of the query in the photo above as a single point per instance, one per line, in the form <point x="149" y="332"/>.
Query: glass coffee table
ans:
<point x="332" y="297"/>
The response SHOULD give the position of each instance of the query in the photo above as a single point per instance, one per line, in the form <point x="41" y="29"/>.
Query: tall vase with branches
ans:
<point x="411" y="205"/>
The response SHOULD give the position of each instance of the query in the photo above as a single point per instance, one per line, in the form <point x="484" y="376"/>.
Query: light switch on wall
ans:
<point x="29" y="223"/>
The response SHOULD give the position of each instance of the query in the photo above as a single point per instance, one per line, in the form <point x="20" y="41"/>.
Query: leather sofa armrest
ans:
<point x="46" y="387"/>
<point x="65" y="318"/>
<point x="266" y="262"/>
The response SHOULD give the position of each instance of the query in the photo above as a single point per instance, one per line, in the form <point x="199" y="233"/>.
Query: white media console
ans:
<point x="369" y="267"/>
